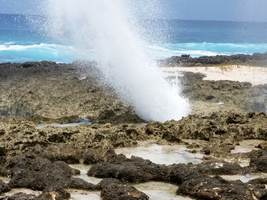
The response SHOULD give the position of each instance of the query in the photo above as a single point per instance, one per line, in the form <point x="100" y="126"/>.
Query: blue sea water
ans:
<point x="21" y="39"/>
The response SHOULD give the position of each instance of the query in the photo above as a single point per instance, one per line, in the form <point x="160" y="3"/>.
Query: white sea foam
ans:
<point x="23" y="47"/>
<point x="159" y="52"/>
<point x="156" y="52"/>
<point x="16" y="52"/>
<point x="103" y="25"/>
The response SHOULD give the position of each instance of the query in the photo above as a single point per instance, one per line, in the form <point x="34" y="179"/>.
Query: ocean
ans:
<point x="22" y="39"/>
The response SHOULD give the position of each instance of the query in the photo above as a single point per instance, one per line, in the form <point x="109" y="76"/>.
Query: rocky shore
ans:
<point x="53" y="116"/>
<point x="257" y="59"/>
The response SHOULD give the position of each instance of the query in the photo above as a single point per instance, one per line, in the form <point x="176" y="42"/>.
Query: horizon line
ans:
<point x="167" y="19"/>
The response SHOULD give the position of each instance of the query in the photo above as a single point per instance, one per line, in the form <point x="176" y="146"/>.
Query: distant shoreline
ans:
<point x="149" y="19"/>
<point x="256" y="59"/>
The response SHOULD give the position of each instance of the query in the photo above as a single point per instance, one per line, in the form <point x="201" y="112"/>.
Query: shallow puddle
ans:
<point x="160" y="191"/>
<point x="244" y="178"/>
<point x="81" y="122"/>
<point x="84" y="195"/>
<point x="162" y="154"/>
<point x="246" y="146"/>
<point x="243" y="162"/>
<point x="23" y="190"/>
<point x="84" y="169"/>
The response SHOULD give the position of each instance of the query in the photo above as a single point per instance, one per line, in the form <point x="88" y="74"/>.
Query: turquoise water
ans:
<point x="21" y="39"/>
<point x="206" y="49"/>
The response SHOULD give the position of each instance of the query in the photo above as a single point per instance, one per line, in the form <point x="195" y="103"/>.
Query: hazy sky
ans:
<point x="234" y="10"/>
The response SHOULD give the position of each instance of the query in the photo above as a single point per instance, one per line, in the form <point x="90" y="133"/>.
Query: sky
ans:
<point x="233" y="10"/>
<point x="226" y="10"/>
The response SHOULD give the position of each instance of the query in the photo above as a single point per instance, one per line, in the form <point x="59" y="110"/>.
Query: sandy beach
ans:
<point x="252" y="74"/>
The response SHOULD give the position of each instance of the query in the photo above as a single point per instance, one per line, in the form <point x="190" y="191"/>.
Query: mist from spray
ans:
<point x="102" y="26"/>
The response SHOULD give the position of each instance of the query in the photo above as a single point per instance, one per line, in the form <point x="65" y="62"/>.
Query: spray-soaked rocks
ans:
<point x="219" y="133"/>
<point x="196" y="88"/>
<point x="69" y="144"/>
<point x="76" y="92"/>
<point x="214" y="126"/>
<point x="223" y="94"/>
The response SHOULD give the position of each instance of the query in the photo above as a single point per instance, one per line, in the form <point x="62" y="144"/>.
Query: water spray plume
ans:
<point x="102" y="26"/>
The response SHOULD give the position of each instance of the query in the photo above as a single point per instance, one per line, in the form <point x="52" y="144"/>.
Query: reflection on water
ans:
<point x="83" y="121"/>
<point x="162" y="154"/>
<point x="84" y="169"/>
<point x="244" y="178"/>
<point x="246" y="146"/>
<point x="84" y="195"/>
<point x="23" y="190"/>
<point x="160" y="191"/>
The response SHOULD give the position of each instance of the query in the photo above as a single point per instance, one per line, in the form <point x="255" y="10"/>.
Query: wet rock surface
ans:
<point x="214" y="188"/>
<point x="61" y="195"/>
<point x="80" y="184"/>
<point x="38" y="158"/>
<point x="259" y="160"/>
<point x="4" y="187"/>
<point x="112" y="189"/>
<point x="224" y="94"/>
<point x="39" y="174"/>
<point x="26" y="93"/>
<point x="133" y="170"/>
<point x="193" y="180"/>
<point x="20" y="196"/>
